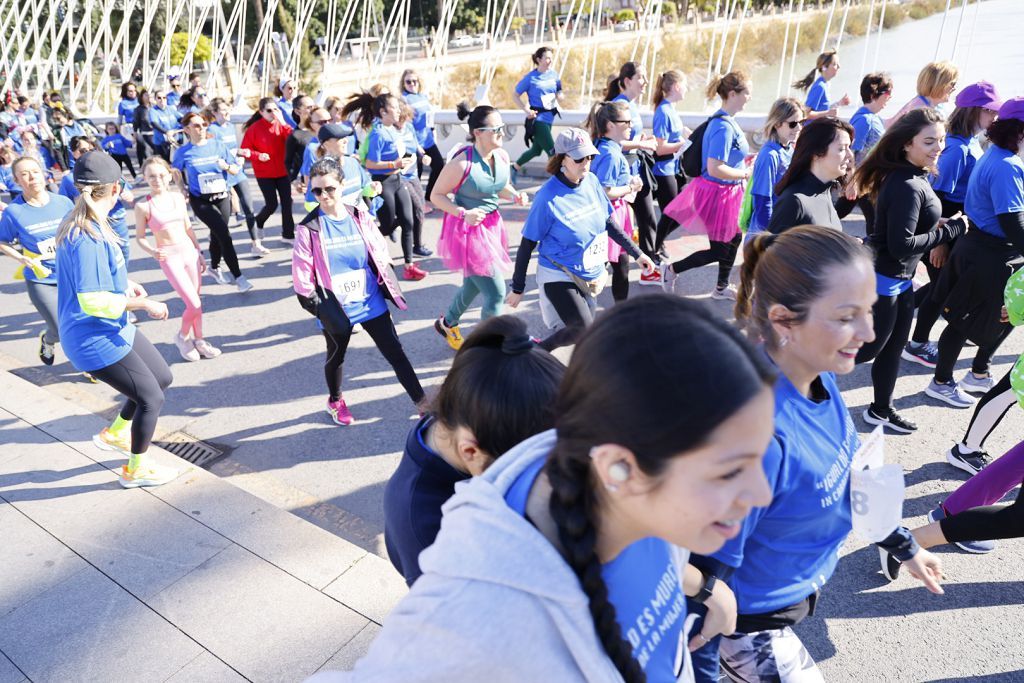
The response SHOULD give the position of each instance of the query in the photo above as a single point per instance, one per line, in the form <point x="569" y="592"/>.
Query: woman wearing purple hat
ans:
<point x="976" y="108"/>
<point x="970" y="287"/>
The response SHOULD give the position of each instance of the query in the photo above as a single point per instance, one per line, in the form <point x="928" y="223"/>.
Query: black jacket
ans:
<point x="294" y="147"/>
<point x="805" y="201"/>
<point x="906" y="222"/>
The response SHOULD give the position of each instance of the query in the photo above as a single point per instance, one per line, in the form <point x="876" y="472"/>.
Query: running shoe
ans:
<point x="890" y="419"/>
<point x="971" y="463"/>
<point x="926" y="354"/>
<point x="89" y="377"/>
<point x="668" y="277"/>
<point x="422" y="251"/>
<point x="973" y="547"/>
<point x="413" y="272"/>
<point x="726" y="294"/>
<point x="221" y="277"/>
<point x="450" y="333"/>
<point x="107" y="441"/>
<point x="949" y="393"/>
<point x="890" y="565"/>
<point x="206" y="349"/>
<point x="45" y="349"/>
<point x="243" y="284"/>
<point x="653" y="279"/>
<point x="339" y="412"/>
<point x="973" y="384"/>
<point x="148" y="474"/>
<point x="186" y="348"/>
<point x="257" y="251"/>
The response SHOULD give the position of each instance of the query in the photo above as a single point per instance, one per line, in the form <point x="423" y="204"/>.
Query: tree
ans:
<point x="179" y="45"/>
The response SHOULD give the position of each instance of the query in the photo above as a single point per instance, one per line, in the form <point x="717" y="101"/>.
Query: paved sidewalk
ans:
<point x="193" y="581"/>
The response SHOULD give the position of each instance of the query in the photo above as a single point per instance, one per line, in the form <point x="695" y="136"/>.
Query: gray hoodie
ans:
<point x="496" y="602"/>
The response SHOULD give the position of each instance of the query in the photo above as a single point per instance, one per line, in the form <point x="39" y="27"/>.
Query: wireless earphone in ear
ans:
<point x="618" y="471"/>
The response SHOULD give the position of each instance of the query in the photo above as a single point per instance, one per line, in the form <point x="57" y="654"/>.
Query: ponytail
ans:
<point x="722" y="85"/>
<point x="617" y="83"/>
<point x="603" y="113"/>
<point x="824" y="59"/>
<point x="804" y="83"/>
<point x="664" y="83"/>
<point x="85" y="217"/>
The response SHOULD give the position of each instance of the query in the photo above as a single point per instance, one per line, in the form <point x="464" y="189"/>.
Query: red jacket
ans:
<point x="267" y="138"/>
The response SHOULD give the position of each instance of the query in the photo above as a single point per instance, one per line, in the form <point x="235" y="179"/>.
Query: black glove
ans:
<point x="308" y="303"/>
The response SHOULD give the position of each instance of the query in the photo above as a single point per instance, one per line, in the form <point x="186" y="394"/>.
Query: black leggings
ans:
<point x="396" y="211"/>
<point x="646" y="219"/>
<point x="383" y="333"/>
<point x="952" y="342"/>
<point x="723" y="252"/>
<point x="272" y="189"/>
<point x="573" y="307"/>
<point x="928" y="309"/>
<point x="141" y="377"/>
<point x="436" y="164"/>
<point x="215" y="214"/>
<point x="668" y="188"/>
<point x="893" y="317"/>
<point x="986" y="522"/>
<point x="124" y="161"/>
<point x="620" y="278"/>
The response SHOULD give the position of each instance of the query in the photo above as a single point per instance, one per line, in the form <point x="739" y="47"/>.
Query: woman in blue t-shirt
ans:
<point x="126" y="107"/>
<point x="710" y="203"/>
<point x="781" y="129"/>
<point x="32" y="222"/>
<point x="543" y="90"/>
<point x="117" y="146"/>
<point x="815" y="84"/>
<point x="673" y="139"/>
<point x="808" y="294"/>
<point x="423" y="122"/>
<point x="94" y="298"/>
<point x="224" y="130"/>
<point x="342" y="274"/>
<point x="411" y="178"/>
<point x="571" y="222"/>
<point x="577" y="534"/>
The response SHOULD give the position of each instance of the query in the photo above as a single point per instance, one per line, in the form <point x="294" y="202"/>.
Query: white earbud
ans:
<point x="619" y="472"/>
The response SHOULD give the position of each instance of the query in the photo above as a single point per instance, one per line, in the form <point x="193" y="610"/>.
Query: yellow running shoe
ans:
<point x="147" y="474"/>
<point x="108" y="441"/>
<point x="451" y="334"/>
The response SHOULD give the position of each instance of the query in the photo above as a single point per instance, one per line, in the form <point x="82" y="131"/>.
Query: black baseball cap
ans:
<point x="96" y="168"/>
<point x="335" y="131"/>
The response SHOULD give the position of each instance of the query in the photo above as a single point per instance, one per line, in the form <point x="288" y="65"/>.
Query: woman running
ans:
<point x="822" y="156"/>
<point x="295" y="145"/>
<point x="117" y="146"/>
<point x="970" y="286"/>
<point x="610" y="127"/>
<point x="976" y="108"/>
<point x="571" y="222"/>
<point x="673" y="139"/>
<point x="33" y="222"/>
<point x="711" y="203"/>
<point x="411" y="178"/>
<point x="808" y="294"/>
<point x="576" y="535"/>
<point x="781" y="129"/>
<point x="342" y="275"/>
<point x="816" y="85"/>
<point x="94" y="297"/>
<point x="868" y="129"/>
<point x="165" y="214"/>
<point x="411" y="88"/>
<point x="499" y="392"/>
<point x="126" y="107"/>
<point x="908" y="224"/>
<point x="543" y="89"/>
<point x="223" y="130"/>
<point x="144" y="146"/>
<point x="357" y="186"/>
<point x="264" y="137"/>
<point x="935" y="85"/>
<point x="164" y="120"/>
<point x="206" y="164"/>
<point x="473" y="236"/>
<point x="285" y="92"/>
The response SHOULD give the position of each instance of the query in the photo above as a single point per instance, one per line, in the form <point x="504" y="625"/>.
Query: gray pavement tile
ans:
<point x="345" y="659"/>
<point x="264" y="623"/>
<point x="8" y="672"/>
<point x="206" y="669"/>
<point x="89" y="629"/>
<point x="32" y="560"/>
<point x="371" y="587"/>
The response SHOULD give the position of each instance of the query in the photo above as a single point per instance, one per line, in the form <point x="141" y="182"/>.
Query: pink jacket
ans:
<point x="308" y="254"/>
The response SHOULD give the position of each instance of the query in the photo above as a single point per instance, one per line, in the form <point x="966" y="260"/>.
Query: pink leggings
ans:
<point x="181" y="266"/>
<point x="989" y="485"/>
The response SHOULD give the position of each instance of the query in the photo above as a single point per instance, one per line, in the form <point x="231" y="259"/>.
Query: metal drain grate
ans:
<point x="188" y="447"/>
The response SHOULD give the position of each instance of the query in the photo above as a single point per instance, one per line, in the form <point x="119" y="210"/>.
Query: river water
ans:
<point x="995" y="54"/>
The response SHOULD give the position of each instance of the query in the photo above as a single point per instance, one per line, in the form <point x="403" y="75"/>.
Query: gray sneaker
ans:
<point x="949" y="392"/>
<point x="977" y="385"/>
<point x="668" y="277"/>
<point x="221" y="277"/>
<point x="243" y="284"/>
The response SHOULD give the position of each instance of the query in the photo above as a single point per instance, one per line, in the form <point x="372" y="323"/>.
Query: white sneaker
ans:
<point x="243" y="284"/>
<point x="255" y="252"/>
<point x="186" y="348"/>
<point x="206" y="349"/>
<point x="257" y="246"/>
<point x="147" y="474"/>
<point x="727" y="294"/>
<point x="221" y="277"/>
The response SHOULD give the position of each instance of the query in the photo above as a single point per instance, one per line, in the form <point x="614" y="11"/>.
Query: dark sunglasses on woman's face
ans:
<point x="794" y="124"/>
<point x="412" y="82"/>
<point x="329" y="191"/>
<point x="584" y="160"/>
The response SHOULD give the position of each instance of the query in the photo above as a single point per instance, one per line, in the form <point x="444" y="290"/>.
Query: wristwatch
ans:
<point x="706" y="589"/>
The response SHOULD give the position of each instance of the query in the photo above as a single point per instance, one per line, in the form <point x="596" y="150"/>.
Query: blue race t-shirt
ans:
<point x="7" y="180"/>
<point x="666" y="125"/>
<point x="117" y="218"/>
<point x="956" y="163"/>
<point x="643" y="586"/>
<point x="817" y="96"/>
<point x="996" y="187"/>
<point x="610" y="166"/>
<point x="88" y="265"/>
<point x="636" y="121"/>
<point x="723" y="140"/>
<point x="769" y="167"/>
<point x="541" y="90"/>
<point x="411" y="143"/>
<point x="356" y="178"/>
<point x="868" y="129"/>
<point x="788" y="550"/>
<point x="115" y="144"/>
<point x="570" y="225"/>
<point x="199" y="165"/>
<point x="126" y="110"/>
<point x="35" y="228"/>
<point x="162" y="120"/>
<point x="423" y="118"/>
<point x="287" y="112"/>
<point x="384" y="143"/>
<point x="309" y="158"/>
<point x="353" y="281"/>
<point x="228" y="136"/>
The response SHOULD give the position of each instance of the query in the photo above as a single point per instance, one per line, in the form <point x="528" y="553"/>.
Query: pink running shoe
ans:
<point x="339" y="412"/>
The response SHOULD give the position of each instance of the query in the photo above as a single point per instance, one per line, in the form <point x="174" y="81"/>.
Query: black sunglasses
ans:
<point x="621" y="121"/>
<point x="794" y="124"/>
<point x="329" y="191"/>
<point x="589" y="157"/>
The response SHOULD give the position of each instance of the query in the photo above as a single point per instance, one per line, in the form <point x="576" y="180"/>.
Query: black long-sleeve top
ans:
<point x="294" y="148"/>
<point x="906" y="222"/>
<point x="805" y="201"/>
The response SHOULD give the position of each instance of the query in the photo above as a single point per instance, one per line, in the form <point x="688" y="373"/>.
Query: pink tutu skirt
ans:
<point x="624" y="217"/>
<point x="708" y="208"/>
<point x="475" y="249"/>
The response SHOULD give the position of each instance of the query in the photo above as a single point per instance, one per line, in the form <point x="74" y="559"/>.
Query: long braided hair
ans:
<point x="707" y="370"/>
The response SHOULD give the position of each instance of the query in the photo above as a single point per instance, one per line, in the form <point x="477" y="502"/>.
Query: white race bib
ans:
<point x="430" y="118"/>
<point x="596" y="253"/>
<point x="212" y="183"/>
<point x="349" y="287"/>
<point x="876" y="490"/>
<point x="47" y="248"/>
<point x="549" y="101"/>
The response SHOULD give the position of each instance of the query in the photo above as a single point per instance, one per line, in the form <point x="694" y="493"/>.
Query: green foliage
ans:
<point x="179" y="45"/>
<point x="669" y="9"/>
<point x="624" y="15"/>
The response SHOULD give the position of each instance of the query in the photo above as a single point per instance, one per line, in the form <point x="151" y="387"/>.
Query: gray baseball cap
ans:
<point x="575" y="143"/>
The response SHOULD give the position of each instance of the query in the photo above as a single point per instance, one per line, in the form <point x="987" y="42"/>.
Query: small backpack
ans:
<point x="693" y="158"/>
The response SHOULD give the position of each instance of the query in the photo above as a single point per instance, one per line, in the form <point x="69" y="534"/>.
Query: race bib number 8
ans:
<point x="596" y="253"/>
<point x="349" y="287"/>
<point x="876" y="490"/>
